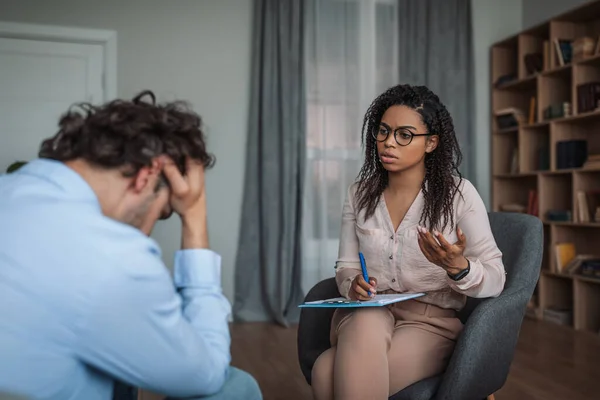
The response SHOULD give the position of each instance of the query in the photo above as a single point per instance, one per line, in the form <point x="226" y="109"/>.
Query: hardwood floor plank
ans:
<point x="268" y="352"/>
<point x="551" y="362"/>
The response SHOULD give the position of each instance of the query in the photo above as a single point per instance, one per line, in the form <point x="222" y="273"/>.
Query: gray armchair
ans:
<point x="484" y="351"/>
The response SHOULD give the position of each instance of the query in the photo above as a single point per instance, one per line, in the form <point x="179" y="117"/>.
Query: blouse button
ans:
<point x="394" y="280"/>
<point x="391" y="256"/>
<point x="392" y="237"/>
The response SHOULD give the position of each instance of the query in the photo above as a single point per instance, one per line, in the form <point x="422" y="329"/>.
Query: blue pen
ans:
<point x="363" y="265"/>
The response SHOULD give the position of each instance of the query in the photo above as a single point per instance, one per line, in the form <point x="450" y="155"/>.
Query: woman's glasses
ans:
<point x="402" y="135"/>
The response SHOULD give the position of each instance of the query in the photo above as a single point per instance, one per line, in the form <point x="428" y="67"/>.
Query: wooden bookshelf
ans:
<point x="542" y="104"/>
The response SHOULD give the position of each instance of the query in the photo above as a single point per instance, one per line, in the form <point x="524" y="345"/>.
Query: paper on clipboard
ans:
<point x="379" y="301"/>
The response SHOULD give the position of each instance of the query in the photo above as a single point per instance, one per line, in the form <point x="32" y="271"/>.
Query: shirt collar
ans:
<point x="66" y="179"/>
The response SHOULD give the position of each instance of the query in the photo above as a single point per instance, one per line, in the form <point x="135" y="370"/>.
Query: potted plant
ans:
<point x="15" y="166"/>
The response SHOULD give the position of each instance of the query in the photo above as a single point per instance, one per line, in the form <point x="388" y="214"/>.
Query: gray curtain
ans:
<point x="435" y="38"/>
<point x="267" y="276"/>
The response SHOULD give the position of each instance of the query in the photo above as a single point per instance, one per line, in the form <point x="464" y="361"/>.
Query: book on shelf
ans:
<point x="570" y="50"/>
<point x="590" y="268"/>
<point x="559" y="215"/>
<point x="531" y="208"/>
<point x="564" y="253"/>
<point x="513" y="207"/>
<point x="583" y="210"/>
<point x="588" y="206"/>
<point x="571" y="153"/>
<point x="506" y="79"/>
<point x="557" y="110"/>
<point x="574" y="266"/>
<point x="564" y="51"/>
<point x="588" y="97"/>
<point x="532" y="205"/>
<point x="509" y="118"/>
<point x="592" y="162"/>
<point x="546" y="52"/>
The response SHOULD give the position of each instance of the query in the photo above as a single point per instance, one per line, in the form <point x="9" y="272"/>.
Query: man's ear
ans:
<point x="147" y="176"/>
<point x="432" y="143"/>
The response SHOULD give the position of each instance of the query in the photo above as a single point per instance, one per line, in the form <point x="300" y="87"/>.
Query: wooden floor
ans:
<point x="551" y="363"/>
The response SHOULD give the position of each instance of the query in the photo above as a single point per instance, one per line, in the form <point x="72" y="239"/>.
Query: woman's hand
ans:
<point x="360" y="289"/>
<point x="441" y="253"/>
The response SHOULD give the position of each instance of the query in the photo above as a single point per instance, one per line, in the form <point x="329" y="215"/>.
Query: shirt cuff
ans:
<point x="473" y="278"/>
<point x="344" y="278"/>
<point x="197" y="267"/>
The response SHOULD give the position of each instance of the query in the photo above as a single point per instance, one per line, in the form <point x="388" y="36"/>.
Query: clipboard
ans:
<point x="380" y="300"/>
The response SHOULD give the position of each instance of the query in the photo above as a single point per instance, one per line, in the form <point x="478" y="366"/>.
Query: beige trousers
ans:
<point x="378" y="351"/>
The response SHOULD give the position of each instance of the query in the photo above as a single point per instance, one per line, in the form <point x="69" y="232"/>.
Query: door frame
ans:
<point x="51" y="33"/>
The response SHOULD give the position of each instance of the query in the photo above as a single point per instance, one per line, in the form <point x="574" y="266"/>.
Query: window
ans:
<point x="352" y="56"/>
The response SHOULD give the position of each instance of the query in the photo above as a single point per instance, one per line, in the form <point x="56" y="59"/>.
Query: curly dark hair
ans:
<point x="129" y="134"/>
<point x="441" y="165"/>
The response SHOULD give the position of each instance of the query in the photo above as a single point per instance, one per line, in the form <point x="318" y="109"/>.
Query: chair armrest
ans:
<point x="487" y="343"/>
<point x="314" y="327"/>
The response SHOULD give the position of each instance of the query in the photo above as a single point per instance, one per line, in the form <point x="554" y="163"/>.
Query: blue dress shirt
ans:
<point x="85" y="299"/>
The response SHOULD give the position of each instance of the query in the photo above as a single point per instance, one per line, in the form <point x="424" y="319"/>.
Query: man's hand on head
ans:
<point x="188" y="199"/>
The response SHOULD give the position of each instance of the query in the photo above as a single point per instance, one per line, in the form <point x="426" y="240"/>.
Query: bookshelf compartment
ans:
<point x="531" y="52"/>
<point x="562" y="34"/>
<point x="586" y="197"/>
<point x="506" y="146"/>
<point x="587" y="305"/>
<point x="554" y="95"/>
<point x="585" y="239"/>
<point x="534" y="149"/>
<point x="556" y="299"/>
<point x="513" y="194"/>
<point x="572" y="140"/>
<point x="555" y="197"/>
<point x="504" y="65"/>
<point x="586" y="86"/>
<point x="518" y="99"/>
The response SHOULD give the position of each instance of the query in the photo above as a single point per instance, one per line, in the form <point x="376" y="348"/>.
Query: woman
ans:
<point x="421" y="228"/>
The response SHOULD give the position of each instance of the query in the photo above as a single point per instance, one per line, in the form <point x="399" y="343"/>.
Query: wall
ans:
<point x="198" y="50"/>
<point x="493" y="20"/>
<point x="537" y="11"/>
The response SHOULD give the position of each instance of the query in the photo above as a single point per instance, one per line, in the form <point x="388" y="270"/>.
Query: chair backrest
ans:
<point x="519" y="237"/>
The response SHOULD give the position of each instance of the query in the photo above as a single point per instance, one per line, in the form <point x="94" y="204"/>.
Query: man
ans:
<point x="86" y="298"/>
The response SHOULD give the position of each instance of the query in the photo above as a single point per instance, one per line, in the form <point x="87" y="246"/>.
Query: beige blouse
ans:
<point x="396" y="261"/>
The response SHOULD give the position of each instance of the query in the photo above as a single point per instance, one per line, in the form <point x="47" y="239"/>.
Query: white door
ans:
<point x="39" y="81"/>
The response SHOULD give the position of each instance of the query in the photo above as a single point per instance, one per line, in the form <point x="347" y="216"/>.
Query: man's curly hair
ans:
<point x="441" y="165"/>
<point x="128" y="135"/>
